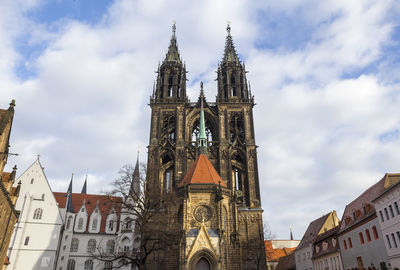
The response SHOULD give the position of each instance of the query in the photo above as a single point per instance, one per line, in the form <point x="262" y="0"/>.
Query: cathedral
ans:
<point x="204" y="155"/>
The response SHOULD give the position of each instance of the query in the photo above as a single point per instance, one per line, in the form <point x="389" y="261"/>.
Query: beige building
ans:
<point x="8" y="193"/>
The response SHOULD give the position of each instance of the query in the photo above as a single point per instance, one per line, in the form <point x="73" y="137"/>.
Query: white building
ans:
<point x="304" y="251"/>
<point x="35" y="240"/>
<point x="387" y="206"/>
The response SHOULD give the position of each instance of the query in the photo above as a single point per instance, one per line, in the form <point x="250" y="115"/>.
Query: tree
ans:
<point x="145" y="214"/>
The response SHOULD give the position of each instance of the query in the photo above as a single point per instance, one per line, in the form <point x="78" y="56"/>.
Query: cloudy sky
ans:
<point x="325" y="75"/>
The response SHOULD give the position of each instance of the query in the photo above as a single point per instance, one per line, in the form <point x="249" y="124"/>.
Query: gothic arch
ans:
<point x="167" y="171"/>
<point x="211" y="122"/>
<point x="203" y="254"/>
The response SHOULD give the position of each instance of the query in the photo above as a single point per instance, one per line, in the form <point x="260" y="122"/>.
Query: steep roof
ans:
<point x="312" y="231"/>
<point x="105" y="203"/>
<point x="202" y="172"/>
<point x="274" y="255"/>
<point x="365" y="198"/>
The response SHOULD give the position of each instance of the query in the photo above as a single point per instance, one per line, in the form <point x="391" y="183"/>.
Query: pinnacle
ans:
<point x="230" y="54"/>
<point x="173" y="53"/>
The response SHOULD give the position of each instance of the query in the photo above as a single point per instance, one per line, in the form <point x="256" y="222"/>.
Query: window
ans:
<point x="375" y="232"/>
<point x="394" y="240"/>
<point x="344" y="244"/>
<point x="391" y="211"/>
<point x="91" y="247"/>
<point x="74" y="245"/>
<point x="128" y="224"/>
<point x="368" y="235"/>
<point x="388" y="241"/>
<point x="26" y="241"/>
<point x="37" y="214"/>
<point x="71" y="264"/>
<point x="360" y="235"/>
<point x="381" y="214"/>
<point x="110" y="246"/>
<point x="396" y="206"/>
<point x="89" y="265"/>
<point x="350" y="243"/>
<point x="398" y="235"/>
<point x="32" y="181"/>
<point x="94" y="224"/>
<point x="69" y="220"/>
<point x="386" y="213"/>
<point x="108" y="265"/>
<point x="80" y="224"/>
<point x="111" y="225"/>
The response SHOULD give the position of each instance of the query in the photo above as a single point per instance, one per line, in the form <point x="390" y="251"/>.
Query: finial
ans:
<point x="174" y="28"/>
<point x="201" y="90"/>
<point x="228" y="28"/>
<point x="12" y="104"/>
<point x="15" y="168"/>
<point x="38" y="157"/>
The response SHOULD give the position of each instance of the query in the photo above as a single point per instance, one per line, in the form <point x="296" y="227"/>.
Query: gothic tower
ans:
<point x="204" y="153"/>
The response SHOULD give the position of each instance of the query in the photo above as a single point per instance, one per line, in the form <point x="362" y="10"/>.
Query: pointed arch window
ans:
<point x="37" y="214"/>
<point x="88" y="265"/>
<point x="69" y="221"/>
<point x="91" y="247"/>
<point x="94" y="224"/>
<point x="233" y="86"/>
<point x="74" y="245"/>
<point x="110" y="247"/>
<point x="80" y="223"/>
<point x="71" y="264"/>
<point x="170" y="86"/>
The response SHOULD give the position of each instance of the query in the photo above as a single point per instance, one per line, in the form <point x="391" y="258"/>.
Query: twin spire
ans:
<point x="173" y="53"/>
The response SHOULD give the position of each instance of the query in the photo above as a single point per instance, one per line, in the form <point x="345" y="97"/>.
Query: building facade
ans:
<point x="233" y="224"/>
<point x="326" y="253"/>
<point x="8" y="193"/>
<point x="360" y="238"/>
<point x="387" y="206"/>
<point x="34" y="244"/>
<point x="275" y="250"/>
<point x="304" y="252"/>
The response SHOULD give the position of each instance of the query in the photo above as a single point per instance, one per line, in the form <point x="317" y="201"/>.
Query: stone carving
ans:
<point x="202" y="213"/>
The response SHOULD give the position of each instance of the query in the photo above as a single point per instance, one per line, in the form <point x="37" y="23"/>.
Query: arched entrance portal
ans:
<point x="203" y="264"/>
<point x="203" y="260"/>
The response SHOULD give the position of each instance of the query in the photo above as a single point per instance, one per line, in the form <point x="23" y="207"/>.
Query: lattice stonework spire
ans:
<point x="202" y="140"/>
<point x="173" y="53"/>
<point x="230" y="54"/>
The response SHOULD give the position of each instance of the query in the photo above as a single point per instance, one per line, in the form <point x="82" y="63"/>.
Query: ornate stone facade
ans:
<point x="8" y="193"/>
<point x="216" y="224"/>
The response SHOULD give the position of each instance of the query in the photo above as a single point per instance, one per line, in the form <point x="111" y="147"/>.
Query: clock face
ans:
<point x="202" y="213"/>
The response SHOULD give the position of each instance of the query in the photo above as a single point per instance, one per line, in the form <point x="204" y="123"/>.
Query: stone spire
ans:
<point x="84" y="188"/>
<point x="135" y="185"/>
<point x="69" y="206"/>
<point x="230" y="54"/>
<point x="173" y="53"/>
<point x="202" y="139"/>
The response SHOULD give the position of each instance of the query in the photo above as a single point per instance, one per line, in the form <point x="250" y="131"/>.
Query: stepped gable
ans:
<point x="312" y="231"/>
<point x="202" y="172"/>
<point x="365" y="199"/>
<point x="105" y="205"/>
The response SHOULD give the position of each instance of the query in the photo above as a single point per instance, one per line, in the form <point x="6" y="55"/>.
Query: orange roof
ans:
<point x="6" y="261"/>
<point x="273" y="255"/>
<point x="105" y="204"/>
<point x="202" y="172"/>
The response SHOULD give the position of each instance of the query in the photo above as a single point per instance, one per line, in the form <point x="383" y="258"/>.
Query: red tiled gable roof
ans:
<point x="274" y="255"/>
<point x="365" y="198"/>
<point x="105" y="202"/>
<point x="312" y="231"/>
<point x="202" y="172"/>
